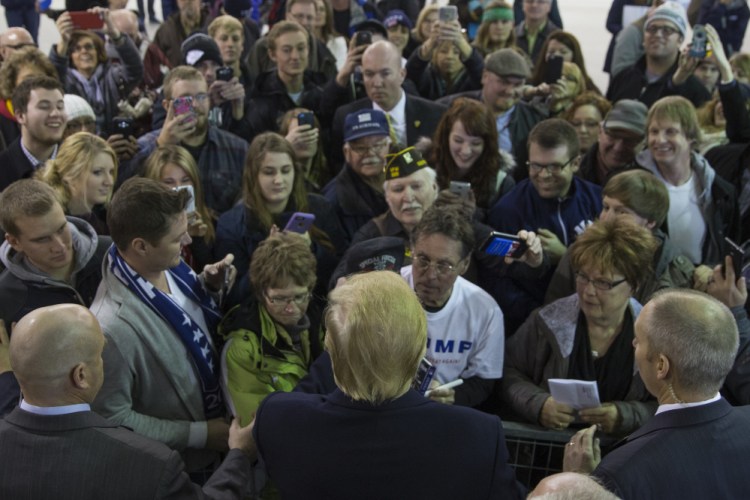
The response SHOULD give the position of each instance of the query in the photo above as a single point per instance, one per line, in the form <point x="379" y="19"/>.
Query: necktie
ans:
<point x="391" y="130"/>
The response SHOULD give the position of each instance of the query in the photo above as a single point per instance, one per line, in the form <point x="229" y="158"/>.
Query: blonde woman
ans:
<point x="83" y="175"/>
<point x="175" y="167"/>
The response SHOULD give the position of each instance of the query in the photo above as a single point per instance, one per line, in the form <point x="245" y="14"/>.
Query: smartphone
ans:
<point x="300" y="222"/>
<point x="225" y="73"/>
<point x="737" y="255"/>
<point x="306" y="118"/>
<point x="83" y="20"/>
<point x="182" y="105"/>
<point x="190" y="207"/>
<point x="504" y="245"/>
<point x="425" y="372"/>
<point x="698" y="45"/>
<point x="123" y="125"/>
<point x="362" y="38"/>
<point x="462" y="189"/>
<point x="553" y="71"/>
<point x="448" y="13"/>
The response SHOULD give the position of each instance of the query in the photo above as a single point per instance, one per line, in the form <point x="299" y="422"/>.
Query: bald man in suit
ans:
<point x="54" y="446"/>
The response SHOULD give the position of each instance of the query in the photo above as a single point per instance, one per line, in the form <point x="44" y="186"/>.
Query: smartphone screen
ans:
<point x="504" y="245"/>
<point x="182" y="105"/>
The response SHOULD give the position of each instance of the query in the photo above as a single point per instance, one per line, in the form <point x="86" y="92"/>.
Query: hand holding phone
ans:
<point x="83" y="20"/>
<point x="448" y="13"/>
<point x="182" y="105"/>
<point x="306" y="118"/>
<point x="504" y="245"/>
<point x="738" y="257"/>
<point x="225" y="73"/>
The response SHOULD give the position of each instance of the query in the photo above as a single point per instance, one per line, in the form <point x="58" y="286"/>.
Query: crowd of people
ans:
<point x="233" y="252"/>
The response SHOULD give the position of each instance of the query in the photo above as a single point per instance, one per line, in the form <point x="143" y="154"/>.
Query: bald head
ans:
<point x="126" y="21"/>
<point x="696" y="333"/>
<point x="383" y="74"/>
<point x="14" y="39"/>
<point x="570" y="486"/>
<point x="55" y="353"/>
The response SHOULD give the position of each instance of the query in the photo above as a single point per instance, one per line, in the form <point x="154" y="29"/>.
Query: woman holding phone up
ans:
<point x="175" y="167"/>
<point x="273" y="191"/>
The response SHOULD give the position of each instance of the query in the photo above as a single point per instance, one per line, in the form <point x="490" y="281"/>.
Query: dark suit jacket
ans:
<point x="84" y="456"/>
<point x="700" y="452"/>
<point x="14" y="165"/>
<point x="422" y="118"/>
<point x="330" y="447"/>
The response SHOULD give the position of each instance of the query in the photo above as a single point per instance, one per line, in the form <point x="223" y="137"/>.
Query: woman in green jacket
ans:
<point x="271" y="337"/>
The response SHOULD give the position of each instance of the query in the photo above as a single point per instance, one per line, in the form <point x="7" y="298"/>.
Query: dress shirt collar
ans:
<point x="54" y="410"/>
<point x="679" y="406"/>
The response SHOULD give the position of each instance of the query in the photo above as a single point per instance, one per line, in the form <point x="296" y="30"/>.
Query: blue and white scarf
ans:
<point x="192" y="335"/>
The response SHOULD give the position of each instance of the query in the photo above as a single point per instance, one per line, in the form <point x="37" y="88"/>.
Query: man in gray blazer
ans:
<point x="160" y="365"/>
<point x="54" y="446"/>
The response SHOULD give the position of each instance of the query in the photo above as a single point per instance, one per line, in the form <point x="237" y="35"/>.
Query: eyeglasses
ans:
<point x="627" y="141"/>
<point x="298" y="299"/>
<point x="86" y="46"/>
<point x="422" y="263"/>
<point x="667" y="31"/>
<point x="602" y="285"/>
<point x="199" y="98"/>
<point x="552" y="168"/>
<point x="536" y="1"/>
<point x="374" y="148"/>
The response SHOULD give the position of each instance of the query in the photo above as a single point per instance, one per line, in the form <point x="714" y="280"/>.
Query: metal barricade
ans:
<point x="535" y="452"/>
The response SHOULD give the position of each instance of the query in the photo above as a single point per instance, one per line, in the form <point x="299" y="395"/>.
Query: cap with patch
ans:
<point x="77" y="107"/>
<point x="200" y="47"/>
<point x="364" y="123"/>
<point x="404" y="163"/>
<point x="396" y="17"/>
<point x="384" y="253"/>
<point x="673" y="12"/>
<point x="507" y="62"/>
<point x="627" y="114"/>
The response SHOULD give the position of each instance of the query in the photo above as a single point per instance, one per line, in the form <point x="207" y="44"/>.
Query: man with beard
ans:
<point x="220" y="155"/>
<point x="40" y="111"/>
<point x="505" y="74"/>
<point x="357" y="191"/>
<point x="662" y="71"/>
<point x="161" y="368"/>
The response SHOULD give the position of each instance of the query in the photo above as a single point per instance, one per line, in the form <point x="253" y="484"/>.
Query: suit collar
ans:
<point x="683" y="418"/>
<point x="57" y="423"/>
<point x="410" y="399"/>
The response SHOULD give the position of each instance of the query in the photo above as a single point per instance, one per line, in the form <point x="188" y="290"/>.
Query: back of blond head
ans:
<point x="377" y="334"/>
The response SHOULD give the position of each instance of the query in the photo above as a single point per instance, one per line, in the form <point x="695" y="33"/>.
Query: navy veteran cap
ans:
<point x="364" y="123"/>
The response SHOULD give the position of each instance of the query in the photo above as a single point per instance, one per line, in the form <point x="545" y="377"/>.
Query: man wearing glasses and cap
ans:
<point x="620" y="134"/>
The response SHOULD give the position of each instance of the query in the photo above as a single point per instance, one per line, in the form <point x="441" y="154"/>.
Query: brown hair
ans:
<point x="180" y="73"/>
<point x="482" y="40"/>
<point x="18" y="59"/>
<point x="280" y="260"/>
<point x="479" y="121"/>
<point x="143" y="208"/>
<point x="678" y="109"/>
<point x="101" y="52"/>
<point x="22" y="93"/>
<point x="282" y="28"/>
<point x="616" y="245"/>
<point x="25" y="198"/>
<point x="641" y="192"/>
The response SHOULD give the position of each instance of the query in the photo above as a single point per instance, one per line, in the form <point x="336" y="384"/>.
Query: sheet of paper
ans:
<point x="577" y="394"/>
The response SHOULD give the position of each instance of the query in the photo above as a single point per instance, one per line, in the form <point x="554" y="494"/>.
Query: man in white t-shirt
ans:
<point x="465" y="333"/>
<point x="702" y="206"/>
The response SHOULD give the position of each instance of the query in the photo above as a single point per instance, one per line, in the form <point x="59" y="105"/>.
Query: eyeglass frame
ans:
<point x="297" y="299"/>
<point x="599" y="284"/>
<point x="666" y="30"/>
<point x="374" y="148"/>
<point x="551" y="169"/>
<point x="442" y="269"/>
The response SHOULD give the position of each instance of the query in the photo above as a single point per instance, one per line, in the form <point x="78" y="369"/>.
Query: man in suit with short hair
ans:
<point x="696" y="446"/>
<point x="56" y="354"/>
<point x="410" y="117"/>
